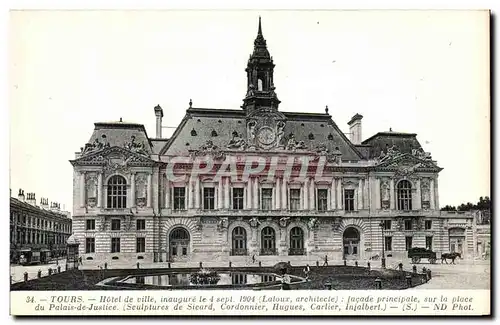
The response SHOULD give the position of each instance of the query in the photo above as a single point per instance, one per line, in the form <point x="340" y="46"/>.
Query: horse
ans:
<point x="375" y="257"/>
<point x="451" y="256"/>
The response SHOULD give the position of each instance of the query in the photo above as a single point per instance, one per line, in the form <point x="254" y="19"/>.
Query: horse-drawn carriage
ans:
<point x="417" y="253"/>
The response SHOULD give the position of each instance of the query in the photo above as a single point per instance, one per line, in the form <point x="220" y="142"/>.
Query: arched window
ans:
<point x="351" y="243"/>
<point x="404" y="195"/>
<point x="179" y="243"/>
<point x="260" y="84"/>
<point x="239" y="237"/>
<point x="117" y="192"/>
<point x="268" y="241"/>
<point x="296" y="241"/>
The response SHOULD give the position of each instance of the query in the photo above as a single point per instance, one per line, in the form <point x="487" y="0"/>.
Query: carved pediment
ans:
<point x="407" y="163"/>
<point x="114" y="158"/>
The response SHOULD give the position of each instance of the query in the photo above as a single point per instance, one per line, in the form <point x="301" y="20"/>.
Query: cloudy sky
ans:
<point x="425" y="72"/>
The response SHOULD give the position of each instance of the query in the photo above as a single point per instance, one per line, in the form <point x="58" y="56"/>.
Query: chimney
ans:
<point x="20" y="196"/>
<point x="30" y="198"/>
<point x="54" y="206"/>
<point x="44" y="203"/>
<point x="159" y="116"/>
<point x="355" y="128"/>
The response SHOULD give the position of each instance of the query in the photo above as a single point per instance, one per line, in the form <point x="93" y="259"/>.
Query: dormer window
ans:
<point x="214" y="133"/>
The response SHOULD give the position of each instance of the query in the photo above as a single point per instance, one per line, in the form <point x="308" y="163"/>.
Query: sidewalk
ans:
<point x="17" y="271"/>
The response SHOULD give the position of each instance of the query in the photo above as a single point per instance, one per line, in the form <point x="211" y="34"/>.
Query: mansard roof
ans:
<point x="404" y="142"/>
<point x="218" y="125"/>
<point x="120" y="133"/>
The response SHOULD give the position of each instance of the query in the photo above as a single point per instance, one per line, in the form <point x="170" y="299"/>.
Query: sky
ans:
<point x="425" y="72"/>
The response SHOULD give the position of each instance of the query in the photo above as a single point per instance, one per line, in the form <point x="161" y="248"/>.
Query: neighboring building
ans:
<point x="482" y="233"/>
<point x="37" y="232"/>
<point x="380" y="191"/>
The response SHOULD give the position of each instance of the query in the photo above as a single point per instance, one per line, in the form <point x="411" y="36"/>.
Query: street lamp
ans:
<point x="382" y="226"/>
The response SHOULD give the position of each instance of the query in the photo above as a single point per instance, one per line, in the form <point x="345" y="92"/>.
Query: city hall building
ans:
<point x="308" y="191"/>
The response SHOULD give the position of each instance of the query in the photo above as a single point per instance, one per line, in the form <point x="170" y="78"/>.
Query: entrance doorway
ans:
<point x="457" y="240"/>
<point x="179" y="244"/>
<point x="351" y="241"/>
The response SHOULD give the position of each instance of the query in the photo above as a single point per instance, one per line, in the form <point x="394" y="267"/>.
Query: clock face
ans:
<point x="266" y="136"/>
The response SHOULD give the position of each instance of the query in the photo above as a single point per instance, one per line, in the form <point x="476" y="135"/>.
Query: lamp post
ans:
<point x="382" y="226"/>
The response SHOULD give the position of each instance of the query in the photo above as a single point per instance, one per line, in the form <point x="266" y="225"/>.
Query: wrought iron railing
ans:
<point x="268" y="251"/>
<point x="239" y="251"/>
<point x="296" y="251"/>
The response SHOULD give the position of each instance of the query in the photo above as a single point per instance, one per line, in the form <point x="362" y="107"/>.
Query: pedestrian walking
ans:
<point x="307" y="271"/>
<point x="253" y="258"/>
<point x="326" y="261"/>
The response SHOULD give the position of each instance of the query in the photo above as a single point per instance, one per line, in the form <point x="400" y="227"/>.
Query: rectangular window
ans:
<point x="387" y="224"/>
<point x="266" y="200"/>
<point x="141" y="244"/>
<point x="428" y="224"/>
<point x="115" y="224"/>
<point x="388" y="243"/>
<point x="140" y="224"/>
<point x="322" y="204"/>
<point x="89" y="245"/>
<point x="237" y="198"/>
<point x="294" y="199"/>
<point x="428" y="242"/>
<point x="349" y="200"/>
<point x="209" y="198"/>
<point x="179" y="198"/>
<point x="115" y="245"/>
<point x="38" y="223"/>
<point x="408" y="224"/>
<point x="409" y="241"/>
<point x="90" y="224"/>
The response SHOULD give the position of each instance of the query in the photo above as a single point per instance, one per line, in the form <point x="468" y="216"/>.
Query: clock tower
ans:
<point x="265" y="124"/>
<point x="260" y="86"/>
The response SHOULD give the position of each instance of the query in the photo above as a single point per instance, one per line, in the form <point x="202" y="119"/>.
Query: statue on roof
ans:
<point x="251" y="90"/>
<point x="236" y="142"/>
<point x="93" y="147"/>
<point x="420" y="153"/>
<point x="280" y="132"/>
<point x="137" y="147"/>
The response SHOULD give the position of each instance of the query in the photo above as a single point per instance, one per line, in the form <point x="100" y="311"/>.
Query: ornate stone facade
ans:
<point x="233" y="184"/>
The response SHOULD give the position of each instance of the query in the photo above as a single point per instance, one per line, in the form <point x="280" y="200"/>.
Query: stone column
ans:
<point x="167" y="193"/>
<point x="418" y="196"/>
<point x="392" y="195"/>
<point x="226" y="193"/>
<point x="332" y="205"/>
<point x="377" y="194"/>
<point x="248" y="204"/>
<point x="432" y="206"/>
<point x="220" y="195"/>
<point x="277" y="192"/>
<point x="366" y="196"/>
<point x="312" y="194"/>
<point x="197" y="193"/>
<point x="284" y="189"/>
<point x="255" y="193"/>
<point x="360" y="194"/>
<point x="190" y="192"/>
<point x="305" y="200"/>
<point x="150" y="191"/>
<point x="339" y="194"/>
<point x="132" y="190"/>
<point x="83" y="189"/>
<point x="436" y="194"/>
